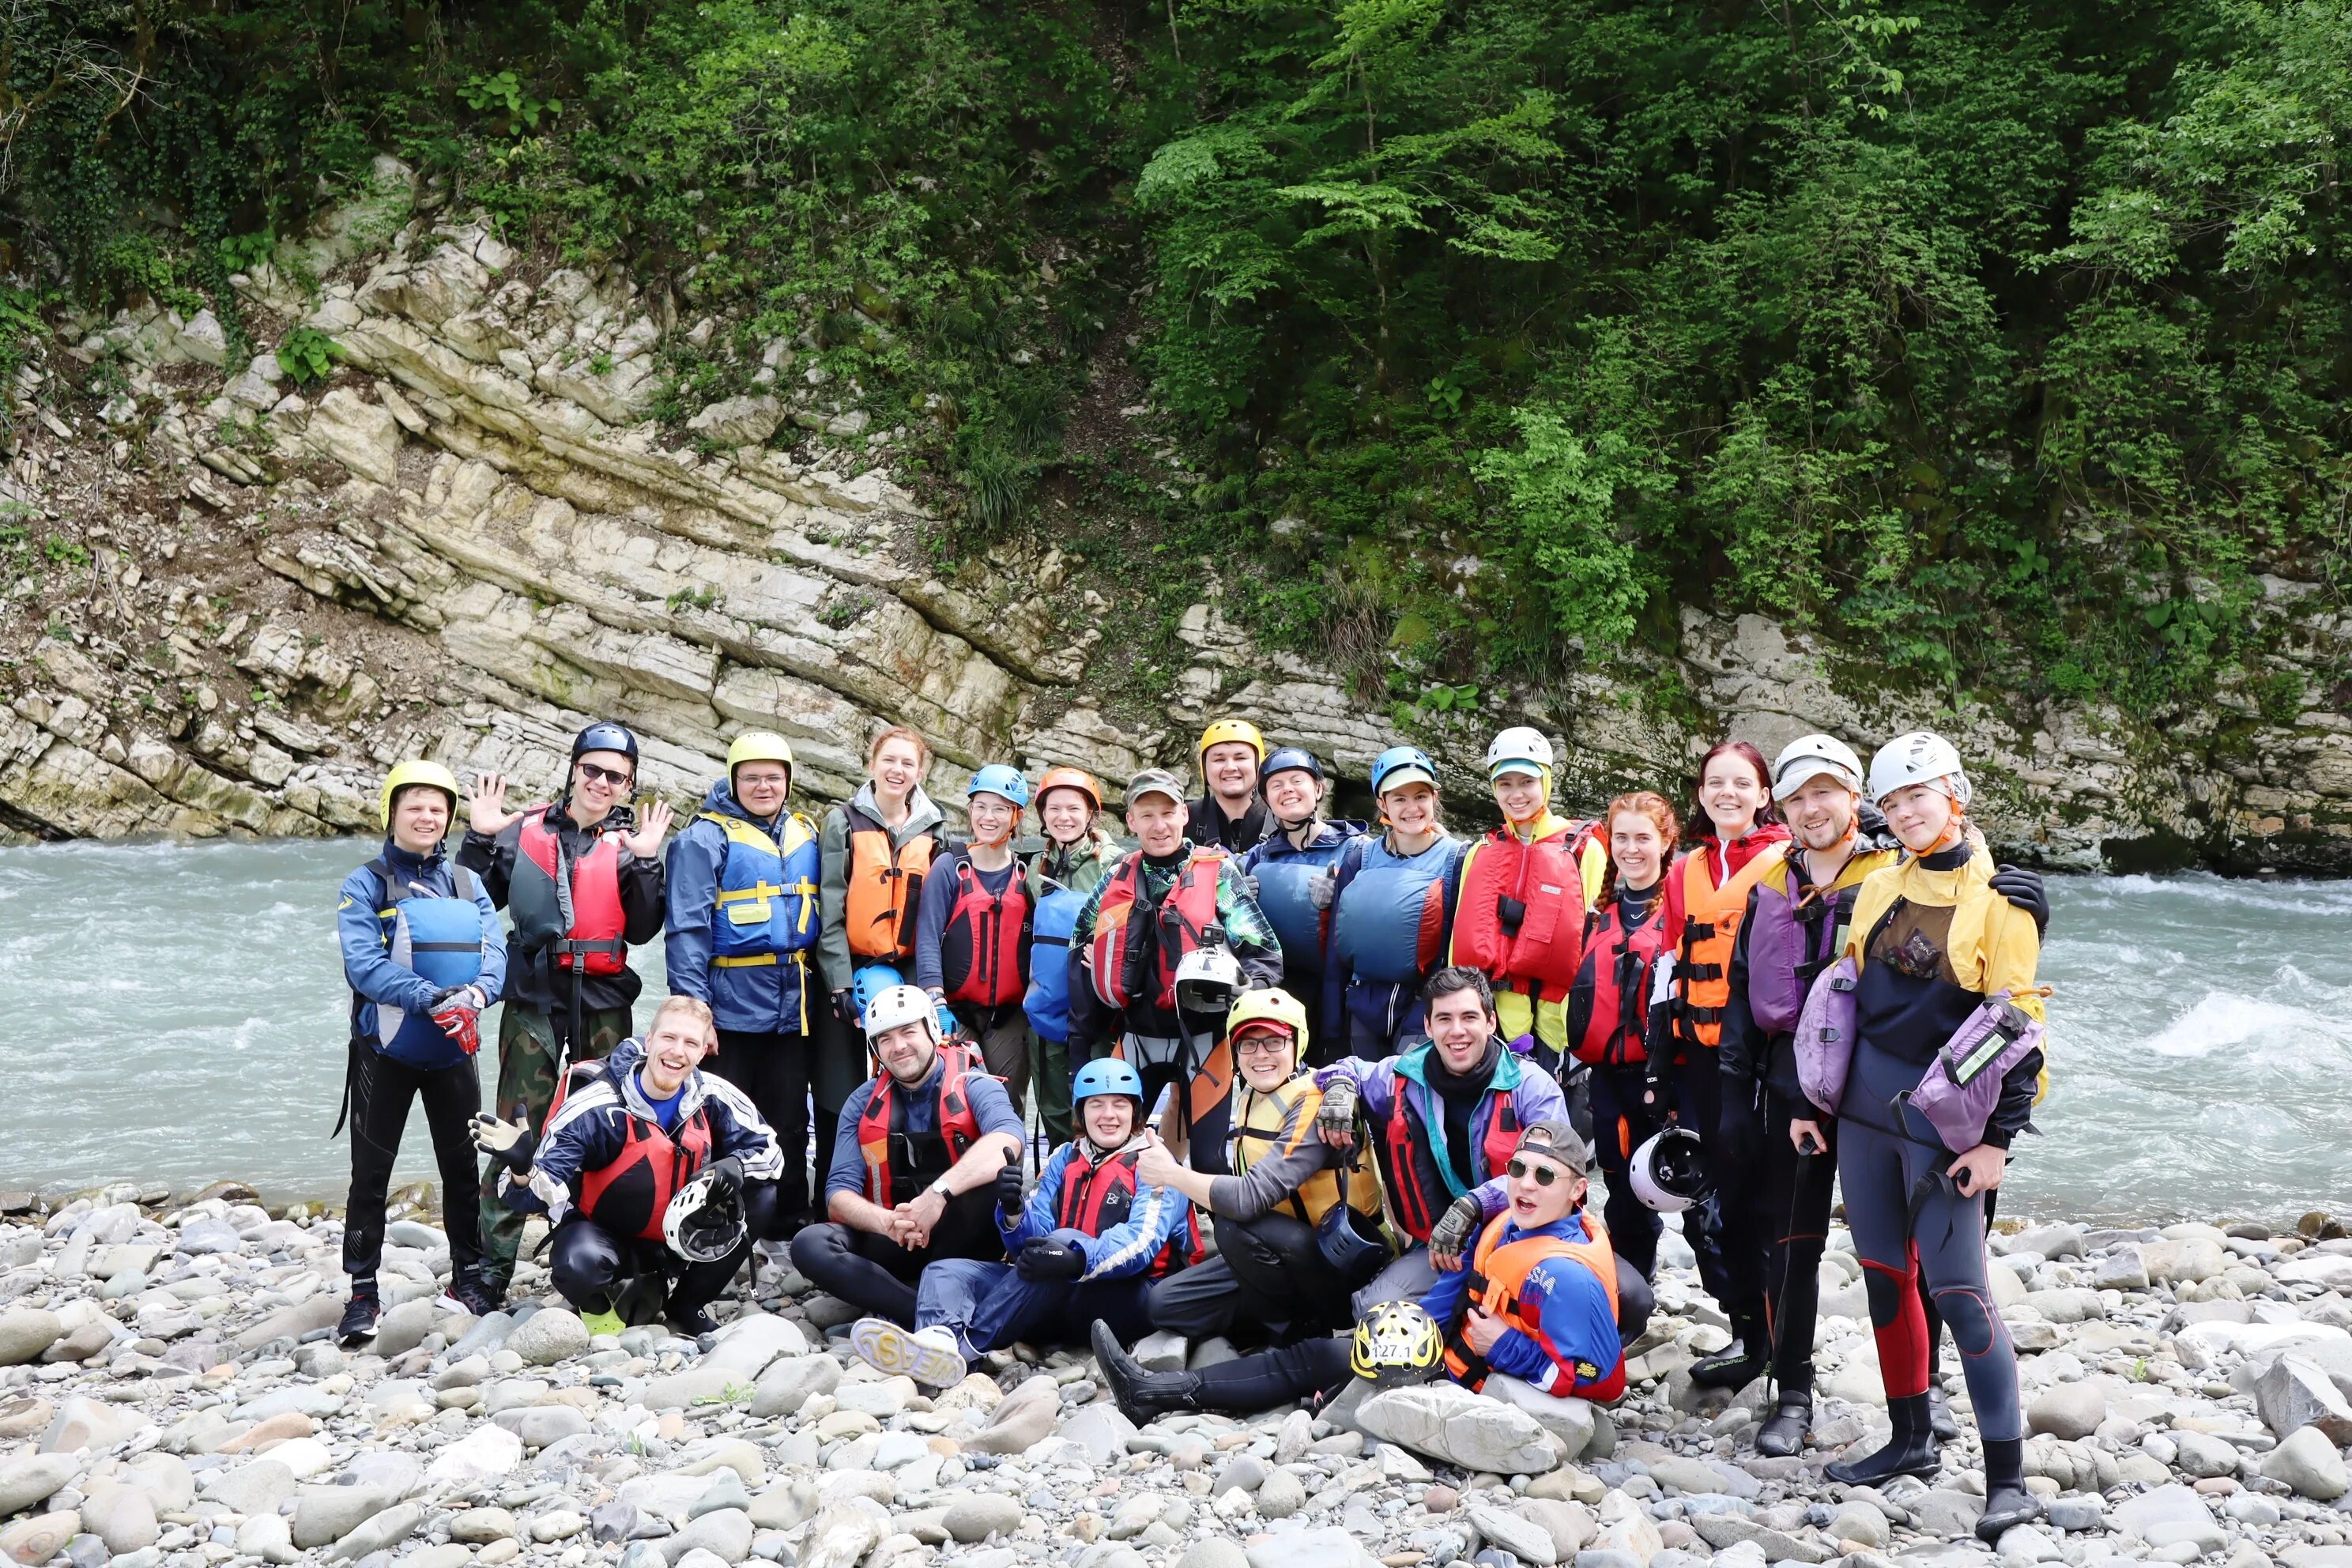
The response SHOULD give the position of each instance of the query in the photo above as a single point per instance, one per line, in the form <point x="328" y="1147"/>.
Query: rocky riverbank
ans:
<point x="173" y="1399"/>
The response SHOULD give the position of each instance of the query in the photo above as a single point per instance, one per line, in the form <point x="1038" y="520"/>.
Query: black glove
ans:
<point x="2024" y="889"/>
<point x="1008" y="1186"/>
<point x="1450" y="1237"/>
<point x="508" y="1142"/>
<point x="844" y="1007"/>
<point x="728" y="1172"/>
<point x="1050" y="1260"/>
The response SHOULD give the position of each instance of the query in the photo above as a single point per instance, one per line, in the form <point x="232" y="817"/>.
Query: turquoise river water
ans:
<point x="175" y="1013"/>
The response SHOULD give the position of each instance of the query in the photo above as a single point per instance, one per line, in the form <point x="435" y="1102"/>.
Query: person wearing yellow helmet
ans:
<point x="1270" y="1277"/>
<point x="423" y="955"/>
<point x="744" y="918"/>
<point x="1229" y="815"/>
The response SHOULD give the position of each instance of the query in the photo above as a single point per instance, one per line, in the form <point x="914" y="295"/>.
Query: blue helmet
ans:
<point x="1108" y="1075"/>
<point x="1287" y="758"/>
<point x="998" y="779"/>
<point x="1390" y="768"/>
<point x="870" y="981"/>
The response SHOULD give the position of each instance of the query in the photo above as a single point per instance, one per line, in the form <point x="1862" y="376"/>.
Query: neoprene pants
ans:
<point x="877" y="1275"/>
<point x="382" y="1089"/>
<point x="774" y="1070"/>
<point x="591" y="1266"/>
<point x="1909" y="1223"/>
<point x="1267" y="1280"/>
<point x="1620" y="1124"/>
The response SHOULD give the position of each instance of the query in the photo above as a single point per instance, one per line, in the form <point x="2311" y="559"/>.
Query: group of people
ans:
<point x="1383" y="1061"/>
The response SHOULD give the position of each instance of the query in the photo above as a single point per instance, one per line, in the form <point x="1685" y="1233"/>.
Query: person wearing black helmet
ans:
<point x="582" y="880"/>
<point x="1281" y="871"/>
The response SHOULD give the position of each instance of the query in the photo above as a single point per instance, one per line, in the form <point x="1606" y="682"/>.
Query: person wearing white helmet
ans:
<point x="1932" y="941"/>
<point x="915" y="1161"/>
<point x="1526" y="889"/>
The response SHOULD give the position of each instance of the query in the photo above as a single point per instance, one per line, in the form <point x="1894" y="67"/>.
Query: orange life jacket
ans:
<point x="900" y="1162"/>
<point x="1711" y="917"/>
<point x="631" y="1195"/>
<point x="539" y="896"/>
<point x="1520" y="917"/>
<point x="1498" y="1274"/>
<point x="1122" y="956"/>
<point x="885" y="889"/>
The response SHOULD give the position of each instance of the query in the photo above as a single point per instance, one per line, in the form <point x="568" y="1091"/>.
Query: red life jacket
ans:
<point x="1417" y="1190"/>
<point x="1536" y="950"/>
<point x="1608" y="1006"/>
<point x="1121" y="956"/>
<point x="899" y="1162"/>
<point x="589" y="940"/>
<point x="631" y="1195"/>
<point x="1095" y="1198"/>
<point x="984" y="947"/>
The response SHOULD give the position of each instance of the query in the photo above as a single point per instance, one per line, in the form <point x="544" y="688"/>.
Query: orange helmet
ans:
<point x="1071" y="778"/>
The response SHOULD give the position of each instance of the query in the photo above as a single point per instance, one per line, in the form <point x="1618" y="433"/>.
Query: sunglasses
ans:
<point x="1545" y="1175"/>
<point x="611" y="776"/>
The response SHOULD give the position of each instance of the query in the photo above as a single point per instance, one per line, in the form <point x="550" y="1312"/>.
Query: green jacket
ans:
<point x="833" y="882"/>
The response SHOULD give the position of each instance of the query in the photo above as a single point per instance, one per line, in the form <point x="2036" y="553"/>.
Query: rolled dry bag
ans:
<point x="441" y="941"/>
<point x="1825" y="1036"/>
<point x="1963" y="1084"/>
<point x="1047" y="1002"/>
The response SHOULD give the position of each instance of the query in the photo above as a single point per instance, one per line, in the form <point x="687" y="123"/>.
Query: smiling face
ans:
<point x="761" y="787"/>
<point x="1110" y="1118"/>
<point x="1732" y="792"/>
<point x="1461" y="1025"/>
<point x="600" y="780"/>
<point x="1411" y="808"/>
<point x="1922" y="815"/>
<point x="1292" y="795"/>
<point x="1231" y="768"/>
<point x="674" y="1047"/>
<point x="1067" y="814"/>
<point x="1157" y="823"/>
<point x="993" y="817"/>
<point x="1266" y="1056"/>
<point x="1638" y="848"/>
<point x="896" y="769"/>
<point x="1542" y="1189"/>
<point x="1820" y="814"/>
<point x="1521" y="796"/>
<point x="905" y="1051"/>
<point x="420" y="818"/>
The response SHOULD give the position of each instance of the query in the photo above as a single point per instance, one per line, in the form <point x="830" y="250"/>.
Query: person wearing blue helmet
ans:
<point x="1085" y="1245"/>
<point x="1392" y="899"/>
<point x="972" y="936"/>
<point x="1281" y="872"/>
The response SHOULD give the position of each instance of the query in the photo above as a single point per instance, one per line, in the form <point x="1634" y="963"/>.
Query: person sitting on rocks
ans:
<point x="618" y="1147"/>
<point x="1542" y="1313"/>
<point x="1086" y="1246"/>
<point x="1269" y="1276"/>
<point x="915" y="1164"/>
<point x="1444" y="1115"/>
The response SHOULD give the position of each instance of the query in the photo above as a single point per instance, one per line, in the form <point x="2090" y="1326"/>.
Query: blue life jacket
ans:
<point x="1389" y="923"/>
<point x="1050" y="924"/>
<point x="440" y="938"/>
<point x="768" y="903"/>
<point x="1284" y="874"/>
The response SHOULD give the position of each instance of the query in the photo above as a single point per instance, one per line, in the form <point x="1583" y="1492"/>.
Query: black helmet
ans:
<point x="605" y="735"/>
<point x="1287" y="758"/>
<point x="1351" y="1241"/>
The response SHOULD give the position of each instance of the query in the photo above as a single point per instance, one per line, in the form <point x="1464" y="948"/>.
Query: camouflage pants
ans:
<point x="526" y="1048"/>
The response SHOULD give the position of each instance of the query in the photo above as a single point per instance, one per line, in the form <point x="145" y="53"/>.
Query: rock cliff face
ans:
<point x="473" y="536"/>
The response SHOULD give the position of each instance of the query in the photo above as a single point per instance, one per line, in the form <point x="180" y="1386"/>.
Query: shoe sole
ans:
<point x="886" y="1347"/>
<point x="358" y="1339"/>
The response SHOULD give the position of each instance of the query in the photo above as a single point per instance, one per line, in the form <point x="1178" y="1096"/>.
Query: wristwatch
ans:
<point x="940" y="1190"/>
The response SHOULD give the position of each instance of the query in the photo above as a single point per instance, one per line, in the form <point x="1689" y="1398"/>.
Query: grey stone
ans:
<point x="788" y="1382"/>
<point x="327" y="1513"/>
<point x="1567" y="1418"/>
<point x="2309" y="1463"/>
<point x="549" y="1335"/>
<point x="379" y="1533"/>
<point x="1447" y="1421"/>
<point x="540" y="1425"/>
<point x="1024" y="1420"/>
<point x="2169" y="1515"/>
<point x="2077" y="1514"/>
<point x="39" y="1537"/>
<point x="1945" y="1514"/>
<point x="1725" y="1529"/>
<point x="725" y="1491"/>
<point x="726" y="1534"/>
<point x="2200" y="1455"/>
<point x="24" y="1482"/>
<point x="558" y="1525"/>
<point x="1326" y="1548"/>
<point x="695" y="1387"/>
<point x="26" y="1332"/>
<point x="980" y="1515"/>
<point x="121" y="1516"/>
<point x="2293" y="1393"/>
<point x="749" y="1345"/>
<point x="2067" y="1410"/>
<point x="88" y="1423"/>
<point x="844" y="1533"/>
<point x="480" y="1526"/>
<point x="1246" y="1471"/>
<point x="2122" y="1269"/>
<point x="208" y="1236"/>
<point x="1100" y="1430"/>
<point x="257" y="1486"/>
<point x="486" y="1336"/>
<point x="1160" y="1351"/>
<point x="1522" y="1538"/>
<point x="1215" y="1552"/>
<point x="1281" y="1495"/>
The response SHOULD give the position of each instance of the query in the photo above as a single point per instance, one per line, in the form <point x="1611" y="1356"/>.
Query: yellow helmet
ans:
<point x="1239" y="731"/>
<point x="1270" y="1005"/>
<point x="1397" y="1343"/>
<point x="759" y="746"/>
<point x="415" y="771"/>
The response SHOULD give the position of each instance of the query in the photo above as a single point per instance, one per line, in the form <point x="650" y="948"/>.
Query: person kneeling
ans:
<point x="1540" y="1312"/>
<point x="915" y="1163"/>
<point x="1270" y="1275"/>
<point x="1087" y="1245"/>
<point x="655" y="1176"/>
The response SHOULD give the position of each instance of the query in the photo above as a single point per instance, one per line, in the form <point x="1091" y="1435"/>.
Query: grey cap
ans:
<point x="1155" y="781"/>
<point x="1554" y="1140"/>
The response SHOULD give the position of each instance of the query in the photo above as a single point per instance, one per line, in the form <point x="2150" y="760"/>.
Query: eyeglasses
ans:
<point x="1545" y="1175"/>
<point x="613" y="776"/>
<point x="1263" y="1044"/>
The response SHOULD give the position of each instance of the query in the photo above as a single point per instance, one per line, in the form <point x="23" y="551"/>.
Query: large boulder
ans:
<point x="26" y="1332"/>
<point x="1447" y="1421"/>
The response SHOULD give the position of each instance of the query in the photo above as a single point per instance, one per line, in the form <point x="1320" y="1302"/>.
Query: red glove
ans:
<point x="459" y="1014"/>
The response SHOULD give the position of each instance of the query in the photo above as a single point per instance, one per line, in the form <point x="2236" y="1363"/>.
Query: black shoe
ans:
<point x="2006" y="1508"/>
<point x="693" y="1325"/>
<point x="476" y="1296"/>
<point x="1142" y="1395"/>
<point x="1733" y="1367"/>
<point x="360" y="1315"/>
<point x="1940" y="1419"/>
<point x="1910" y="1451"/>
<point x="1783" y="1432"/>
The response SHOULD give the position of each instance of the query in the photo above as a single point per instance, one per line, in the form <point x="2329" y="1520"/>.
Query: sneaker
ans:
<point x="360" y="1315"/>
<point x="693" y="1325"/>
<point x="602" y="1324"/>
<point x="929" y="1356"/>
<point x="472" y="1296"/>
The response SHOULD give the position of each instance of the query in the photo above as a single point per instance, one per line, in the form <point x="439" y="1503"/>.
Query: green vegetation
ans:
<point x="2002" y="343"/>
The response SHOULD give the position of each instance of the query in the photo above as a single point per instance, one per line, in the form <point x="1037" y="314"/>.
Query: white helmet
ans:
<point x="1811" y="756"/>
<point x="1208" y="978"/>
<point x="1518" y="744"/>
<point x="1919" y="757"/>
<point x="704" y="1222"/>
<point x="897" y="1006"/>
<point x="1669" y="1171"/>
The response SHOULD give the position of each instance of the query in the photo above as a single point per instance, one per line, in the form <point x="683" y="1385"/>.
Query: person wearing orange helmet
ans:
<point x="1075" y="855"/>
<point x="1229" y="815"/>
